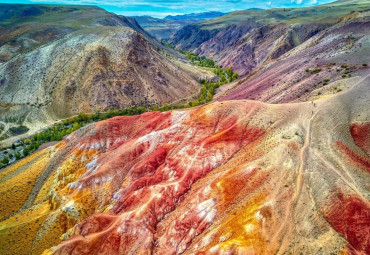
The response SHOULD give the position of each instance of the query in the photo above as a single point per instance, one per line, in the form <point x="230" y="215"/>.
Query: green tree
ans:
<point x="17" y="155"/>
<point x="82" y="117"/>
<point x="164" y="107"/>
<point x="209" y="97"/>
<point x="76" y="126"/>
<point x="5" y="160"/>
<point x="26" y="152"/>
<point x="235" y="76"/>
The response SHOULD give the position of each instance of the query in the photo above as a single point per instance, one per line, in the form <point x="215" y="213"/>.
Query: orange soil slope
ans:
<point x="233" y="177"/>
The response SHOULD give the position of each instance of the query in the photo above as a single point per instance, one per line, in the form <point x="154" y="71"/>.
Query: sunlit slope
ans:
<point x="229" y="177"/>
<point x="325" y="13"/>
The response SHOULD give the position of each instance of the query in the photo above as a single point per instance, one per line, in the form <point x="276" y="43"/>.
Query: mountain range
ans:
<point x="285" y="55"/>
<point x="165" y="28"/>
<point x="277" y="162"/>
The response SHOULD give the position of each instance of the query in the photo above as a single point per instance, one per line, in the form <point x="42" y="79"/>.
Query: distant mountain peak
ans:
<point x="195" y="16"/>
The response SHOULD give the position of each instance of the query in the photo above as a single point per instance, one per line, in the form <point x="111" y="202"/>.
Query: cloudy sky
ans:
<point x="161" y="8"/>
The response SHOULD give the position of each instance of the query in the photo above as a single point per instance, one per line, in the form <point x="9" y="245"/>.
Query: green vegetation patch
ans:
<point x="19" y="130"/>
<point x="169" y="45"/>
<point x="197" y="60"/>
<point x="317" y="70"/>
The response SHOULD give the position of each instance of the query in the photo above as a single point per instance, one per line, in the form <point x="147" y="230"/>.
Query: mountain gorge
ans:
<point x="272" y="49"/>
<point x="322" y="65"/>
<point x="277" y="162"/>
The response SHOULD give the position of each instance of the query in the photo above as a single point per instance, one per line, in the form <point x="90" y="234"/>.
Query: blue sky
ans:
<point x="161" y="8"/>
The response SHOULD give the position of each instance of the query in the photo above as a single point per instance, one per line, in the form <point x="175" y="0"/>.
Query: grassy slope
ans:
<point x="57" y="14"/>
<point x="327" y="13"/>
<point x="26" y="27"/>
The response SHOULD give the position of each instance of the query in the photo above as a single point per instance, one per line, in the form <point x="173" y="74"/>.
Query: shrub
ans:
<point x="26" y="152"/>
<point x="17" y="155"/>
<point x="167" y="44"/>
<point x="317" y="70"/>
<point x="19" y="130"/>
<point x="5" y="160"/>
<point x="76" y="126"/>
<point x="209" y="97"/>
<point x="235" y="76"/>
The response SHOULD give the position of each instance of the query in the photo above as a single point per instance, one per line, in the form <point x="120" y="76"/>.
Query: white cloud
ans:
<point x="117" y="3"/>
<point x="297" y="1"/>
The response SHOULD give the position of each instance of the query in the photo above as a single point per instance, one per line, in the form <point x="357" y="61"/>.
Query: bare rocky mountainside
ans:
<point x="57" y="61"/>
<point x="286" y="55"/>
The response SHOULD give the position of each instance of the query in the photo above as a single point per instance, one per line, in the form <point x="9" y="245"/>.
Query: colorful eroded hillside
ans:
<point x="232" y="177"/>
